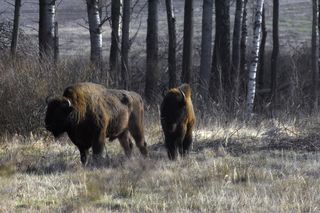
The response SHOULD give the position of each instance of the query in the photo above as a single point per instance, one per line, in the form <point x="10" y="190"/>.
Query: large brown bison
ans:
<point x="177" y="120"/>
<point x="90" y="113"/>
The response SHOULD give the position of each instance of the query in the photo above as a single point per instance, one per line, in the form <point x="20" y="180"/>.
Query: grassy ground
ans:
<point x="267" y="166"/>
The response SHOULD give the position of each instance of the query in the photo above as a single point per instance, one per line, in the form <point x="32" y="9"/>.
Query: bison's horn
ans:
<point x="182" y="93"/>
<point x="69" y="103"/>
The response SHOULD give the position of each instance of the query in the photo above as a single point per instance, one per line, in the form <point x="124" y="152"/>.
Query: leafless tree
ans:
<point x="243" y="50"/>
<point x="315" y="56"/>
<point x="114" y="50"/>
<point x="220" y="80"/>
<point x="275" y="52"/>
<point x="152" y="72"/>
<point x="172" y="44"/>
<point x="15" y="31"/>
<point x="46" y="28"/>
<point x="95" y="32"/>
<point x="260" y="70"/>
<point x="254" y="58"/>
<point x="125" y="43"/>
<point x="206" y="47"/>
<point x="187" y="42"/>
<point x="235" y="65"/>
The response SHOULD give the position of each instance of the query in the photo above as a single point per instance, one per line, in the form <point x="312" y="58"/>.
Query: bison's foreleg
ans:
<point x="83" y="156"/>
<point x="171" y="148"/>
<point x="98" y="146"/>
<point x="126" y="143"/>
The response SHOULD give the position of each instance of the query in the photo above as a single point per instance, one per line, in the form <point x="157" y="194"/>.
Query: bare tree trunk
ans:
<point x="172" y="44"/>
<point x="275" y="53"/>
<point x="187" y="42"/>
<point x="206" y="47"/>
<point x="221" y="78"/>
<point x="114" y="50"/>
<point x="125" y="43"/>
<point x="15" y="31"/>
<point x="243" y="52"/>
<point x="95" y="32"/>
<point x="152" y="75"/>
<point x="46" y="28"/>
<point x="254" y="58"/>
<point x="235" y="66"/>
<point x="56" y="42"/>
<point x="315" y="56"/>
<point x="260" y="70"/>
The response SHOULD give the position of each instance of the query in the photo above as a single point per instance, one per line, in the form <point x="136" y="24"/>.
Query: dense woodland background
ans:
<point x="136" y="57"/>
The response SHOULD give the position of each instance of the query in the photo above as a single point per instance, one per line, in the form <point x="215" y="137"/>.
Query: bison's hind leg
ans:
<point x="84" y="156"/>
<point x="187" y="142"/>
<point x="126" y="143"/>
<point x="140" y="142"/>
<point x="137" y="132"/>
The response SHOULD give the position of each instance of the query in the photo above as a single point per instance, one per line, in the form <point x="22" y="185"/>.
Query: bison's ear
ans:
<point x="182" y="98"/>
<point x="49" y="98"/>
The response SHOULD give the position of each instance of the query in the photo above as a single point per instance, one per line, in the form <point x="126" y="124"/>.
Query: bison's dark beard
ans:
<point x="57" y="132"/>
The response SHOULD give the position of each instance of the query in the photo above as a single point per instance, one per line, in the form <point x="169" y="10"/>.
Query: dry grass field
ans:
<point x="265" y="166"/>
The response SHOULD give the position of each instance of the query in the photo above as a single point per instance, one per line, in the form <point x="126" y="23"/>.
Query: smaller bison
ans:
<point x="89" y="113"/>
<point x="177" y="120"/>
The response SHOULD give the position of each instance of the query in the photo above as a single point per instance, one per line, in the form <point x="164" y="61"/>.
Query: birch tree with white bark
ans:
<point x="47" y="12"/>
<point x="95" y="32"/>
<point x="254" y="57"/>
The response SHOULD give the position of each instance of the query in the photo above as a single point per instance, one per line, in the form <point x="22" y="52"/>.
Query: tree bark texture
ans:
<point x="95" y="32"/>
<point x="315" y="56"/>
<point x="114" y="50"/>
<point x="56" y="42"/>
<point x="15" y="31"/>
<point x="187" y="42"/>
<point x="236" y="41"/>
<point x="254" y="57"/>
<point x="125" y="43"/>
<point x="243" y="51"/>
<point x="46" y="28"/>
<point x="221" y="79"/>
<point x="152" y="72"/>
<point x="172" y="44"/>
<point x="260" y="71"/>
<point x="275" y="52"/>
<point x="206" y="47"/>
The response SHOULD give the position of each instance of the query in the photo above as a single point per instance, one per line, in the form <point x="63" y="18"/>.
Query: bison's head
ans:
<point x="57" y="119"/>
<point x="173" y="110"/>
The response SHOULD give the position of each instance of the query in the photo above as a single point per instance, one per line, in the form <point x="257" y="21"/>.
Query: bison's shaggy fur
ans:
<point x="89" y="113"/>
<point x="177" y="120"/>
